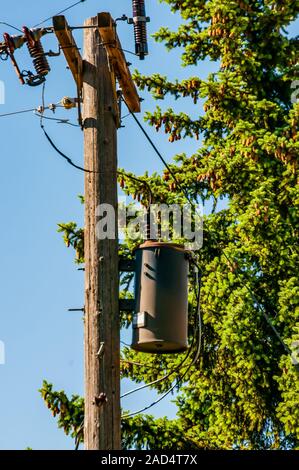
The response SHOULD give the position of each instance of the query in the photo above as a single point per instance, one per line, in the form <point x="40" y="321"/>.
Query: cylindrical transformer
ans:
<point x="160" y="323"/>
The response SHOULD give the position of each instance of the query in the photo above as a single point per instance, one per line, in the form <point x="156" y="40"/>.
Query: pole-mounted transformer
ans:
<point x="160" y="323"/>
<point x="140" y="31"/>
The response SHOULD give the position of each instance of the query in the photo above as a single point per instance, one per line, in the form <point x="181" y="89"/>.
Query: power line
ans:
<point x="33" y="110"/>
<point x="11" y="26"/>
<point x="59" y="13"/>
<point x="176" y="384"/>
<point x="41" y="116"/>
<point x="18" y="112"/>
<point x="198" y="325"/>
<point x="127" y="51"/>
<point x="178" y="381"/>
<point x="175" y="369"/>
<point x="198" y="328"/>
<point x="59" y="121"/>
<point x="23" y="111"/>
<point x="261" y="308"/>
<point x="63" y="155"/>
<point x="139" y="180"/>
<point x="161" y="379"/>
<point x="159" y="154"/>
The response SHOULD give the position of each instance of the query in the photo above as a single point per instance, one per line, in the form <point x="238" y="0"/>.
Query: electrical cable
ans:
<point x="125" y="116"/>
<point x="59" y="121"/>
<point x="32" y="110"/>
<point x="18" y="112"/>
<point x="68" y="159"/>
<point x="127" y="51"/>
<point x="198" y="316"/>
<point x="159" y="154"/>
<point x="177" y="383"/>
<point x="11" y="26"/>
<point x="112" y="44"/>
<point x="260" y="307"/>
<point x="161" y="379"/>
<point x="139" y="180"/>
<point x="59" y="13"/>
<point x="197" y="328"/>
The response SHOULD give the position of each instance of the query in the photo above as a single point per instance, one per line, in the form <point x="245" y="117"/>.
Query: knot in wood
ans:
<point x="101" y="399"/>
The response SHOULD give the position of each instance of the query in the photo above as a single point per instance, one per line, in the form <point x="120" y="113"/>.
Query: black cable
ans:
<point x="159" y="155"/>
<point x="32" y="110"/>
<point x="59" y="13"/>
<point x="161" y="379"/>
<point x="11" y="26"/>
<point x="18" y="112"/>
<point x="127" y="51"/>
<point x="261" y="308"/>
<point x="198" y="324"/>
<point x="112" y="44"/>
<point x="197" y="328"/>
<point x="43" y="100"/>
<point x="59" y="121"/>
<point x="177" y="383"/>
<point x="70" y="162"/>
<point x="139" y="180"/>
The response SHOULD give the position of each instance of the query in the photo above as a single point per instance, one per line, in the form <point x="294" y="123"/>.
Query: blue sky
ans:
<point x="38" y="189"/>
<point x="38" y="278"/>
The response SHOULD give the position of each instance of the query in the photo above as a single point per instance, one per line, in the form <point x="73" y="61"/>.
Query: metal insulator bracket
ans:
<point x="139" y="19"/>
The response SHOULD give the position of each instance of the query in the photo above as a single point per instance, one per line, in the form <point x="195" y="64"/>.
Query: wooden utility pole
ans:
<point x="95" y="77"/>
<point x="102" y="348"/>
<point x="104" y="62"/>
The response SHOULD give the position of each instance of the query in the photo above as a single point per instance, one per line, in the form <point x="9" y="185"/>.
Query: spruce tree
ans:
<point x="243" y="391"/>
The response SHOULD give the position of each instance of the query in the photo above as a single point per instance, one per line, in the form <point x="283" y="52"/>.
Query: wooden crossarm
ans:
<point x="69" y="48"/>
<point x="118" y="61"/>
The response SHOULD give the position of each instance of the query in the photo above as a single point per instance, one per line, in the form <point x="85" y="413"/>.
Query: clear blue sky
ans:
<point x="38" y="278"/>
